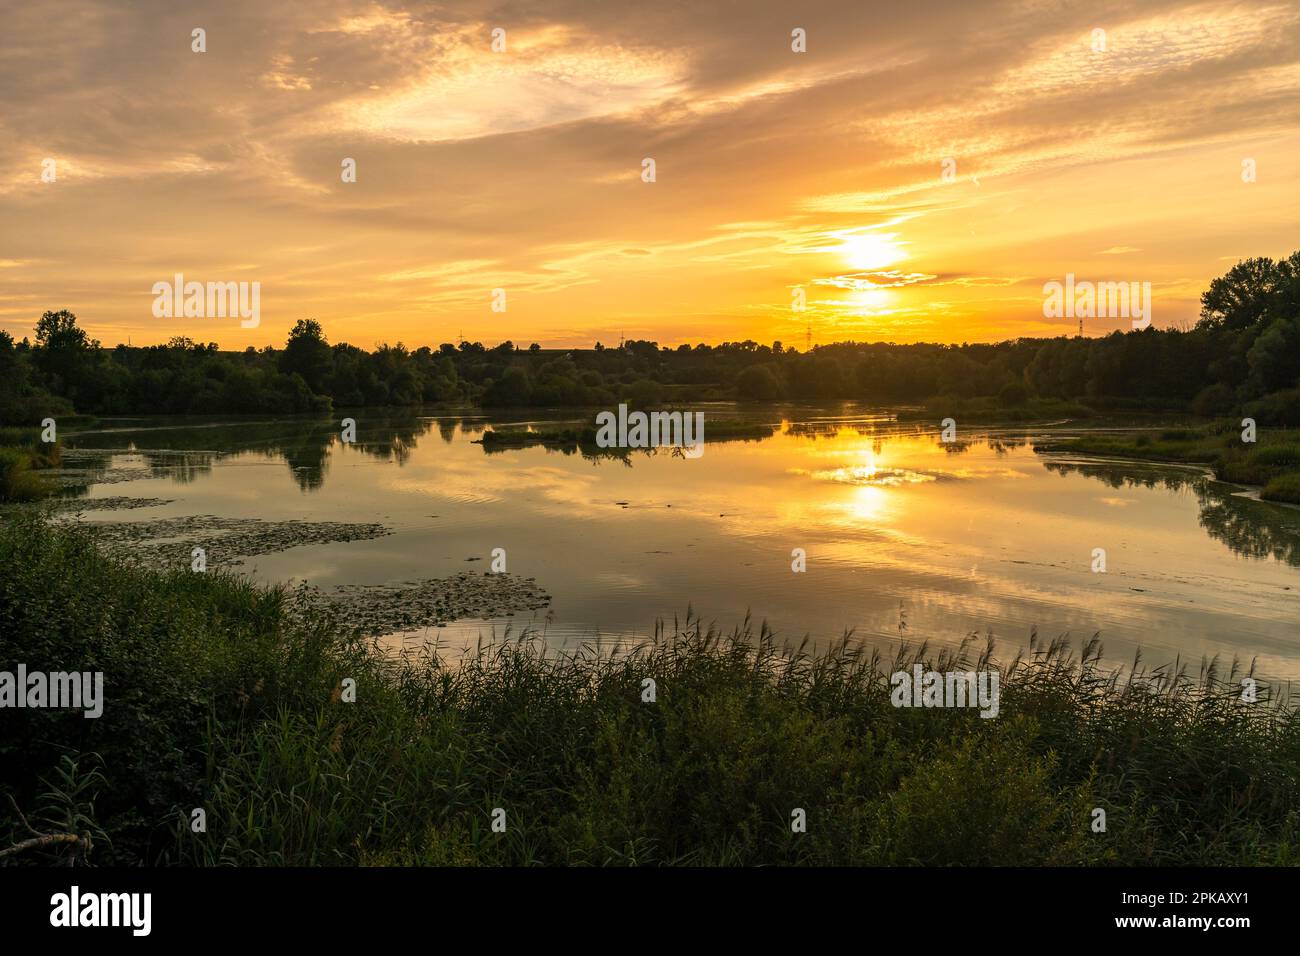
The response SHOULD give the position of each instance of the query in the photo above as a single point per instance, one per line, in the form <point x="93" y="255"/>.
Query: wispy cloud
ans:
<point x="1020" y="151"/>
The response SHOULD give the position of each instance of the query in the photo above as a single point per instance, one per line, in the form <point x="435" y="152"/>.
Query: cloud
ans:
<point x="521" y="169"/>
<point x="861" y="281"/>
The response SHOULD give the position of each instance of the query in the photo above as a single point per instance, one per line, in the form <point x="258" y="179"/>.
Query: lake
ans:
<point x="904" y="535"/>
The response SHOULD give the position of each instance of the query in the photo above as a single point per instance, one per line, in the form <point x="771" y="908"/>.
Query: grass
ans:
<point x="990" y="411"/>
<point x="583" y="437"/>
<point x="1284" y="487"/>
<point x="1272" y="461"/>
<point x="228" y="697"/>
<point x="21" y="453"/>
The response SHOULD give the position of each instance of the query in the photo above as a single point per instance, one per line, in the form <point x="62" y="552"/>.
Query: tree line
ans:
<point x="1242" y="356"/>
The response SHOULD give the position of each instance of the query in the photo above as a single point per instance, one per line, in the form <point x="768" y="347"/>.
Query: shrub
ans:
<point x="1214" y="400"/>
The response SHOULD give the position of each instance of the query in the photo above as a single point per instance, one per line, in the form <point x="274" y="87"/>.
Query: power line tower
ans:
<point x="808" y="338"/>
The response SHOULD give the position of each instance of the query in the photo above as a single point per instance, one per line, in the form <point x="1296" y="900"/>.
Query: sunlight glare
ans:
<point x="869" y="250"/>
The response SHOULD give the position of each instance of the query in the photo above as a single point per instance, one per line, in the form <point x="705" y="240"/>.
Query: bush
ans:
<point x="1214" y="400"/>
<point x="1006" y="812"/>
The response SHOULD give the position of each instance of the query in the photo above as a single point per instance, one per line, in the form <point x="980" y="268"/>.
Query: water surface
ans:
<point x="902" y="534"/>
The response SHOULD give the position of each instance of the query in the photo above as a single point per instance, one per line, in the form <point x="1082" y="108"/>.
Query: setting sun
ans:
<point x="870" y="250"/>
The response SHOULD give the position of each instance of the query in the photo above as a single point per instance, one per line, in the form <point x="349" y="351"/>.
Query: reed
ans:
<point x="230" y="697"/>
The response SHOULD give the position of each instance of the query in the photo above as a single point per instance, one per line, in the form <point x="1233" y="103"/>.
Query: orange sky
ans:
<point x="522" y="170"/>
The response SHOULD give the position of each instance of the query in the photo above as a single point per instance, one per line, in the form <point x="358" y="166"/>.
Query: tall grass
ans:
<point x="228" y="697"/>
<point x="21" y="452"/>
<point x="1285" y="487"/>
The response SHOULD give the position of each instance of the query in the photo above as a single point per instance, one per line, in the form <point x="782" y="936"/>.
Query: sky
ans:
<point x="917" y="172"/>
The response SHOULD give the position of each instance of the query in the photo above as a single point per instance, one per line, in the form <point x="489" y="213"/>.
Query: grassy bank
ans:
<point x="1272" y="461"/>
<point x="992" y="411"/>
<point x="575" y="437"/>
<point x="224" y="696"/>
<point x="22" y="453"/>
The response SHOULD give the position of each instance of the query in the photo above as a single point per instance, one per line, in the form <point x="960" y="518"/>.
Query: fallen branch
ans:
<point x="42" y="839"/>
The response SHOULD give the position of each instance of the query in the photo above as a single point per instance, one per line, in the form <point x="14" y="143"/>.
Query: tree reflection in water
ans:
<point x="1251" y="528"/>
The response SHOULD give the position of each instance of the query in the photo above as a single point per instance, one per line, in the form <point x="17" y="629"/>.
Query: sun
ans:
<point x="868" y="251"/>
